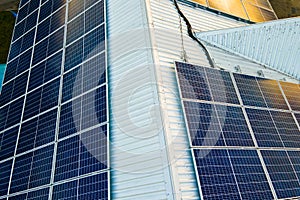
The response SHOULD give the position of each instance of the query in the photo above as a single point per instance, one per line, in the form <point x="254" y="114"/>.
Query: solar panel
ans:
<point x="243" y="148"/>
<point x="216" y="125"/>
<point x="92" y="187"/>
<point x="266" y="133"/>
<point x="292" y="93"/>
<point x="282" y="174"/>
<point x="231" y="174"/>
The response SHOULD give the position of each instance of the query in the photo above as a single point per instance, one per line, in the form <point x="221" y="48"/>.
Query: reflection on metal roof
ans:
<point x="253" y="10"/>
<point x="275" y="44"/>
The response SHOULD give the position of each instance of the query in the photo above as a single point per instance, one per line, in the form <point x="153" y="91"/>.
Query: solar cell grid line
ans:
<point x="282" y="173"/>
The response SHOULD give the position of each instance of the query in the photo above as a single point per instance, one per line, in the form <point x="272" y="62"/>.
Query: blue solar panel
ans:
<point x="264" y="129"/>
<point x="48" y="46"/>
<point x="82" y="154"/>
<point x="217" y="125"/>
<point x="221" y="86"/>
<point x="42" y="99"/>
<point x="94" y="40"/>
<point x="234" y="126"/>
<point x="282" y="174"/>
<point x="32" y="169"/>
<point x="66" y="191"/>
<point x="74" y="55"/>
<point x="204" y="128"/>
<point x="231" y="174"/>
<point x="250" y="175"/>
<point x="37" y="132"/>
<point x="287" y="128"/>
<point x="93" y="187"/>
<point x="94" y="16"/>
<point x="193" y="82"/>
<point x="75" y="29"/>
<point x="249" y="90"/>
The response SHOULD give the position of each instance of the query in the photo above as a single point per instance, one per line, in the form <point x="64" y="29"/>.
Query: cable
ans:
<point x="191" y="35"/>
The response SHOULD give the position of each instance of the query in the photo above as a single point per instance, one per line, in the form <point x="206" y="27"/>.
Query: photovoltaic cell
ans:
<point x="83" y="112"/>
<point x="76" y="7"/>
<point x="14" y="89"/>
<point x="66" y="191"/>
<point x="42" y="99"/>
<point x="45" y="71"/>
<point x="294" y="158"/>
<point x="51" y="24"/>
<point x="282" y="174"/>
<point x="18" y="65"/>
<point x="10" y="114"/>
<point x="234" y="126"/>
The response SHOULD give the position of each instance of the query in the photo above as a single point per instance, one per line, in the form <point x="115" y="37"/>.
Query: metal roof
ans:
<point x="275" y="44"/>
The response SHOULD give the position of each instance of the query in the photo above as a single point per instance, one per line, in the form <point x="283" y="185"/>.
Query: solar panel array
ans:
<point x="253" y="10"/>
<point x="53" y="104"/>
<point x="244" y="133"/>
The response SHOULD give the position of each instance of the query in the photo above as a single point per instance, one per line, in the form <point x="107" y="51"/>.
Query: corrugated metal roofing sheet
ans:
<point x="275" y="44"/>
